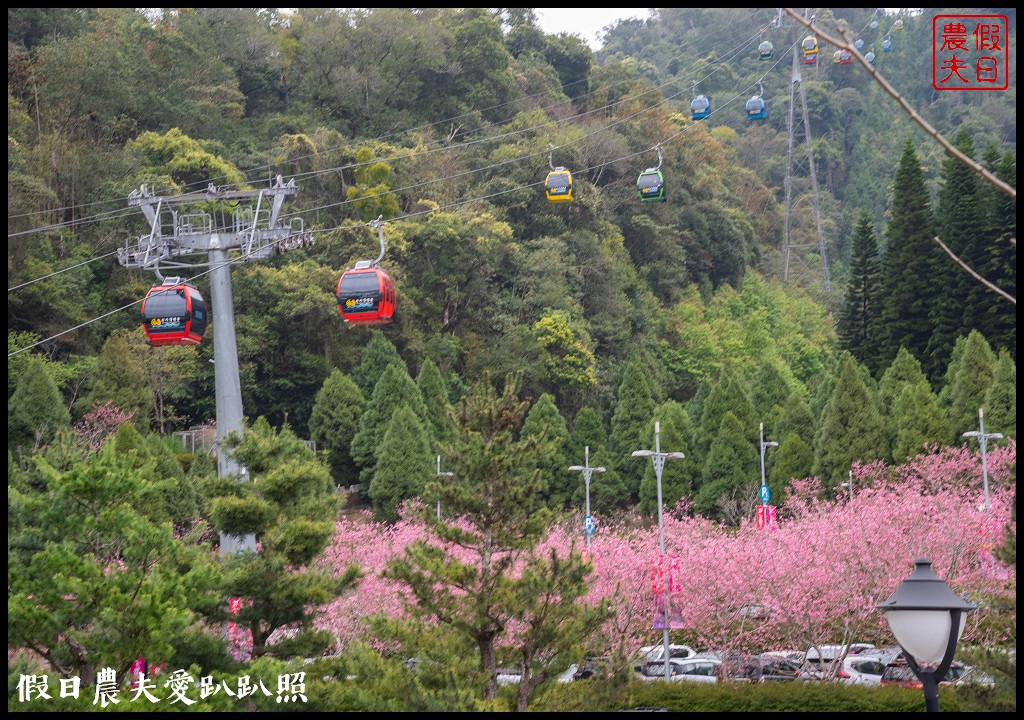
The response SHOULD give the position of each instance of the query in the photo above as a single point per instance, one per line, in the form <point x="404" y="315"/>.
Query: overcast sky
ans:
<point x="585" y="22"/>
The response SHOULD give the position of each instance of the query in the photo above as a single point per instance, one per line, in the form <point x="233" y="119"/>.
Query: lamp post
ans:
<point x="587" y="472"/>
<point x="849" y="484"/>
<point x="764" y="446"/>
<point x="658" y="459"/>
<point x="983" y="441"/>
<point x="926" y="617"/>
<point x="439" y="476"/>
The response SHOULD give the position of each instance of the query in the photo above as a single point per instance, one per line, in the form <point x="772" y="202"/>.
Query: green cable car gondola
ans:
<point x="765" y="51"/>
<point x="650" y="186"/>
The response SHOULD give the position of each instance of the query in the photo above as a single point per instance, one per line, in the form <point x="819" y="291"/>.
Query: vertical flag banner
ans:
<point x="665" y="587"/>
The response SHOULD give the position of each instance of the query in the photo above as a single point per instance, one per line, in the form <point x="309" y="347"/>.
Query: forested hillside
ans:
<point x="444" y="123"/>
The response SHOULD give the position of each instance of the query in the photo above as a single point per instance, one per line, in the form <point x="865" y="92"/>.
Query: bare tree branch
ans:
<point x="975" y="275"/>
<point x="847" y="45"/>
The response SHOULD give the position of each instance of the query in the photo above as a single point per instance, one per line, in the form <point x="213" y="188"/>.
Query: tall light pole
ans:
<point x="439" y="476"/>
<point x="983" y="441"/>
<point x="587" y="472"/>
<point x="658" y="459"/>
<point x="765" y="495"/>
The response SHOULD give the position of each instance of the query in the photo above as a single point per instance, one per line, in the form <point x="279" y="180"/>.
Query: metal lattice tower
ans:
<point x="788" y="244"/>
<point x="182" y="226"/>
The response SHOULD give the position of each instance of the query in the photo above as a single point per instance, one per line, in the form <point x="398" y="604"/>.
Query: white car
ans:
<point x="701" y="670"/>
<point x="862" y="670"/>
<point x="657" y="652"/>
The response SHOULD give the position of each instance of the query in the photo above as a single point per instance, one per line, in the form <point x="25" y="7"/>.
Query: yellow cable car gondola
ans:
<point x="558" y="186"/>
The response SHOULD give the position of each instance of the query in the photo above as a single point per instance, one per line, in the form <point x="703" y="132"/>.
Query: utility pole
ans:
<point x="849" y="484"/>
<point x="658" y="459"/>
<point x="182" y="226"/>
<point x="765" y="495"/>
<point x="587" y="472"/>
<point x="983" y="439"/>
<point x="439" y="476"/>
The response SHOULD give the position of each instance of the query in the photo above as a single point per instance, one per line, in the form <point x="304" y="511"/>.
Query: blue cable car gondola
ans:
<point x="765" y="50"/>
<point x="859" y="44"/>
<point x="886" y="44"/>
<point x="174" y="314"/>
<point x="366" y="294"/>
<point x="650" y="186"/>
<point x="757" y="109"/>
<point x="700" y="108"/>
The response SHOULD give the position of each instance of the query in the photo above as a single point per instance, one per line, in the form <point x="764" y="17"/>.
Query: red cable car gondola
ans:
<point x="366" y="294"/>
<point x="174" y="314"/>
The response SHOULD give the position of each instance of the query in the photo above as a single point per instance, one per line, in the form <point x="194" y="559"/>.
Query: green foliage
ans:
<point x="607" y="490"/>
<point x="729" y="395"/>
<point x="545" y="424"/>
<point x="793" y="459"/>
<point x="404" y="463"/>
<point x="797" y="419"/>
<point x="337" y="408"/>
<point x="971" y="382"/>
<point x="631" y="422"/>
<point x="1001" y="398"/>
<point x="568" y="359"/>
<point x="36" y="410"/>
<point x="435" y="397"/>
<point x="371" y="194"/>
<point x="120" y="378"/>
<point x="851" y="429"/>
<point x="904" y="370"/>
<point x="916" y="422"/>
<point x="728" y="482"/>
<point x="378" y="353"/>
<point x="679" y="477"/>
<point x="859" y="321"/>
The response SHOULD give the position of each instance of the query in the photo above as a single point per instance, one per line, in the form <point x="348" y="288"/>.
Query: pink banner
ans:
<point x="660" y="580"/>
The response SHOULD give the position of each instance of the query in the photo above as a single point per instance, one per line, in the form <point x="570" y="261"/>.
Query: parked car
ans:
<point x="657" y="652"/>
<point x="862" y="670"/>
<point x="899" y="673"/>
<point x="760" y="668"/>
<point x="701" y="670"/>
<point x="822" y="661"/>
<point x="794" y="656"/>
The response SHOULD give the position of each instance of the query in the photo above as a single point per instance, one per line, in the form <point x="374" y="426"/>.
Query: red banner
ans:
<point x="661" y="580"/>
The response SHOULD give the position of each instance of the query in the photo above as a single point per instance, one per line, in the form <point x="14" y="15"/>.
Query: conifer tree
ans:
<point x="949" y="377"/>
<point x="851" y="429"/>
<point x="496" y="491"/>
<point x="908" y="290"/>
<point x="796" y="418"/>
<point x="120" y="378"/>
<point x="971" y="382"/>
<point x="770" y="389"/>
<point x="1001" y="398"/>
<point x="793" y="459"/>
<point x="607" y="490"/>
<point x="904" y="370"/>
<point x="435" y="397"/>
<point x="333" y="423"/>
<point x="405" y="463"/>
<point x="958" y="220"/>
<point x="546" y="424"/>
<point x="858" y="321"/>
<point x="633" y="412"/>
<point x="679" y="477"/>
<point x="377" y="355"/>
<point x="36" y="410"/>
<point x="730" y="474"/>
<point x="917" y="421"/>
<point x="394" y="389"/>
<point x="730" y="395"/>
<point x="985" y="310"/>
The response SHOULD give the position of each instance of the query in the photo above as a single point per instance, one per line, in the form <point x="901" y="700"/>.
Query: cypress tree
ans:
<point x="394" y="389"/>
<point x="770" y="391"/>
<point x="858" y="321"/>
<point x="405" y="463"/>
<point x="36" y="411"/>
<point x="793" y="459"/>
<point x="907" y="288"/>
<point x="946" y="390"/>
<point x="796" y="418"/>
<point x="607" y="490"/>
<point x="730" y="394"/>
<point x="333" y="423"/>
<point x="1001" y="398"/>
<point x="545" y="423"/>
<point x="120" y="378"/>
<point x="377" y="355"/>
<point x="904" y="370"/>
<point x="851" y="428"/>
<point x="679" y="477"/>
<point x="631" y="422"/>
<point x="917" y="421"/>
<point x="993" y="315"/>
<point x="435" y="397"/>
<point x="958" y="229"/>
<point x="971" y="383"/>
<point x="730" y="474"/>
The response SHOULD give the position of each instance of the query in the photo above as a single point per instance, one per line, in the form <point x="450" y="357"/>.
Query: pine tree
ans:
<point x="545" y="423"/>
<point x="971" y="383"/>
<point x="631" y="422"/>
<point x="907" y="288"/>
<point x="377" y="355"/>
<point x="496" y="491"/>
<point x="405" y="463"/>
<point x="917" y="421"/>
<point x="394" y="389"/>
<point x="290" y="506"/>
<point x="851" y="429"/>
<point x="730" y="474"/>
<point x="435" y="397"/>
<point x="337" y="408"/>
<point x="958" y="229"/>
<point x="858" y="321"/>
<point x="988" y="312"/>
<point x="36" y="411"/>
<point x="1001" y="398"/>
<point x="679" y="477"/>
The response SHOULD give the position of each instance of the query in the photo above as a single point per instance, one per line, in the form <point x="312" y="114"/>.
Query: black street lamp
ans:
<point x="927" y="617"/>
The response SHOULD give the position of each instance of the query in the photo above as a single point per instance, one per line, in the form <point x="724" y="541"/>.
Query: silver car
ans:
<point x="701" y="670"/>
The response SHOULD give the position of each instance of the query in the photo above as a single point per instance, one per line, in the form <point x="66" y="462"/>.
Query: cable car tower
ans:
<point x="188" y="225"/>
<point x="789" y="243"/>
